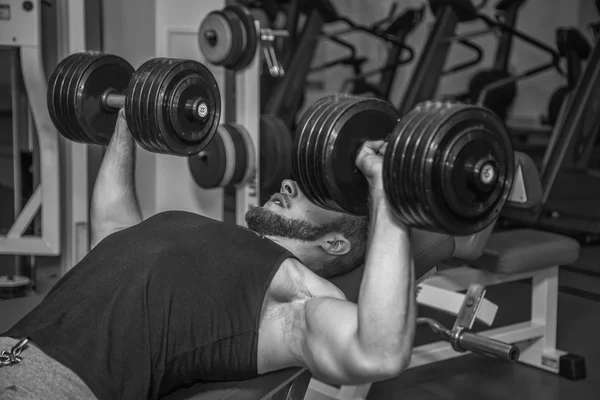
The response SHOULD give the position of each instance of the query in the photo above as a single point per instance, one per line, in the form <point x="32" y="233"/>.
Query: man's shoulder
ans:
<point x="295" y="281"/>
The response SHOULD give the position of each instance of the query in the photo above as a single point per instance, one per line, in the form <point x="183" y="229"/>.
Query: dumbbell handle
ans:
<point x="196" y="109"/>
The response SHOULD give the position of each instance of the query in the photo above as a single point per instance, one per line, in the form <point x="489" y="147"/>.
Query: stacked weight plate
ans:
<point x="75" y="93"/>
<point x="328" y="138"/>
<point x="156" y="109"/>
<point x="448" y="168"/>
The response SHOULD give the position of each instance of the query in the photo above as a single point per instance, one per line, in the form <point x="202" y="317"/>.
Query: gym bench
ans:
<point x="486" y="258"/>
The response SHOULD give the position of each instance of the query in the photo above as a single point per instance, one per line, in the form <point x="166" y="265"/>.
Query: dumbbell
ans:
<point x="229" y="160"/>
<point x="229" y="38"/>
<point x="172" y="106"/>
<point x="448" y="167"/>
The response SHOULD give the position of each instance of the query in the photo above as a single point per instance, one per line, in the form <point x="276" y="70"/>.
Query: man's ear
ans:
<point x="335" y="244"/>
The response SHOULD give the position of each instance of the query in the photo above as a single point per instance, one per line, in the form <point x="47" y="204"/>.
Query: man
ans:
<point x="180" y="298"/>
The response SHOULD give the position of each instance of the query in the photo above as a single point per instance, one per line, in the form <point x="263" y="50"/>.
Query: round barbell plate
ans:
<point x="103" y="73"/>
<point x="368" y="118"/>
<point x="245" y="145"/>
<point x="241" y="152"/>
<point x="238" y="39"/>
<point x="215" y="38"/>
<point x="250" y="35"/>
<point x="54" y="95"/>
<point x="330" y="116"/>
<point x="209" y="168"/>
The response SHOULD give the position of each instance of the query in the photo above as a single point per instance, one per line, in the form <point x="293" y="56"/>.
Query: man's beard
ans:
<point x="268" y="223"/>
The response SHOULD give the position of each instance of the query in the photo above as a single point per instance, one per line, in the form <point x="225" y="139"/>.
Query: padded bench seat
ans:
<point x="523" y="250"/>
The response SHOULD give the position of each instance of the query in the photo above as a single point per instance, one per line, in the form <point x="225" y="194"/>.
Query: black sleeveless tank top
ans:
<point x="172" y="301"/>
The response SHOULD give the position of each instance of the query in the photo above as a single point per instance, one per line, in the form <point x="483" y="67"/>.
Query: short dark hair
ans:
<point x="355" y="228"/>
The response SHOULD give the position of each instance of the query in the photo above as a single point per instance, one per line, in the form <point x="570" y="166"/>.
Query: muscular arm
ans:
<point x="114" y="204"/>
<point x="352" y="344"/>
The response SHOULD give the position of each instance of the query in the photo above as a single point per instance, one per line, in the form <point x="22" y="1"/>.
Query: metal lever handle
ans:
<point x="267" y="37"/>
<point x="482" y="345"/>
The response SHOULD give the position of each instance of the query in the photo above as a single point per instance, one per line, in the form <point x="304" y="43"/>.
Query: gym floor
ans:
<point x="479" y="378"/>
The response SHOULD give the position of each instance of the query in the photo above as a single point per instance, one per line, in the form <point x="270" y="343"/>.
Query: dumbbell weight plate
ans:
<point x="219" y="48"/>
<point x="313" y="155"/>
<point x="134" y="112"/>
<point x="402" y="170"/>
<point x="68" y="94"/>
<point x="303" y="144"/>
<point x="69" y="97"/>
<point x="54" y="96"/>
<point x="423" y="192"/>
<point x="151" y="89"/>
<point x="250" y="35"/>
<point x="367" y="119"/>
<point x="446" y="189"/>
<point x="331" y="115"/>
<point x="401" y="194"/>
<point x="275" y="154"/>
<point x="103" y="73"/>
<point x="179" y="134"/>
<point x="465" y="192"/>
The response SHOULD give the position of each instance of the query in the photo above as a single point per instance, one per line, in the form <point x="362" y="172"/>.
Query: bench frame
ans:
<point x="536" y="338"/>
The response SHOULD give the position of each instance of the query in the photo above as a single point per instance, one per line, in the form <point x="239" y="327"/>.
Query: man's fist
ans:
<point x="370" y="161"/>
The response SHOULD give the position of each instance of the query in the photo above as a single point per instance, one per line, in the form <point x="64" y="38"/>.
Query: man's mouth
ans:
<point x="280" y="200"/>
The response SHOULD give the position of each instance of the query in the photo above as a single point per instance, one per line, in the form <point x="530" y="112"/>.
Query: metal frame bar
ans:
<point x="248" y="115"/>
<point x="536" y="338"/>
<point x="76" y="229"/>
<point x="29" y="46"/>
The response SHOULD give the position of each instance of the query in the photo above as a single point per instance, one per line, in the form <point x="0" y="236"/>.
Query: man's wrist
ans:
<point x="381" y="209"/>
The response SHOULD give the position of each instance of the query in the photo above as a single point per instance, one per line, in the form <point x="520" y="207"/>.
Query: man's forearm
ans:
<point x="114" y="201"/>
<point x="386" y="307"/>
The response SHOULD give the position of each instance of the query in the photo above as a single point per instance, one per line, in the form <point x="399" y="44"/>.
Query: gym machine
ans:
<point x="575" y="49"/>
<point x="21" y="32"/>
<point x="232" y="38"/>
<point x="448" y="14"/>
<point x="569" y="201"/>
<point x="500" y="99"/>
<point x="397" y="27"/>
<point x="286" y="97"/>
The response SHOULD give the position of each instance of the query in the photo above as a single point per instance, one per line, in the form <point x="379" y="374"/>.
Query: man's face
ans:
<point x="290" y="214"/>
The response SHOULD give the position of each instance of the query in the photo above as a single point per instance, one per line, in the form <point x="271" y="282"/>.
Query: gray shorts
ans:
<point x="39" y="377"/>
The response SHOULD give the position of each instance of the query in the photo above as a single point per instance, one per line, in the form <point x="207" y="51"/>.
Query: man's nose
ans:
<point x="289" y="187"/>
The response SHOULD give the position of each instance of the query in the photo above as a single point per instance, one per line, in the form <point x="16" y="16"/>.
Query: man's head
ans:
<point x="328" y="242"/>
